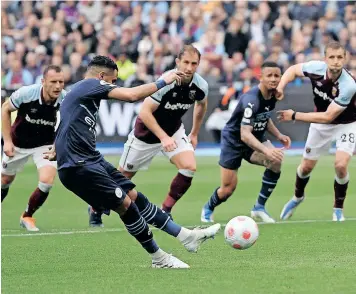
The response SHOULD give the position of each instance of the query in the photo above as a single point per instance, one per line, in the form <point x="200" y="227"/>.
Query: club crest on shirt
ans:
<point x="192" y="94"/>
<point x="334" y="91"/>
<point x="129" y="166"/>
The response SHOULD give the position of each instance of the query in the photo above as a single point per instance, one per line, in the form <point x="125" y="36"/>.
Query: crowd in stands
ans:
<point x="144" y="37"/>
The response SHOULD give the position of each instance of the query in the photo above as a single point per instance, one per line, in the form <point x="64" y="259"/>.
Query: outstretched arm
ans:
<point x="141" y="92"/>
<point x="333" y="111"/>
<point x="289" y="76"/>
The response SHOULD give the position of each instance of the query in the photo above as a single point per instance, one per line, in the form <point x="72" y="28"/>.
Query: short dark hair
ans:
<point x="56" y="68"/>
<point x="103" y="61"/>
<point x="269" y="64"/>
<point x="334" y="45"/>
<point x="188" y="48"/>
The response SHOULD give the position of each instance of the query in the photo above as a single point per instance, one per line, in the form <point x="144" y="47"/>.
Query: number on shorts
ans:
<point x="351" y="138"/>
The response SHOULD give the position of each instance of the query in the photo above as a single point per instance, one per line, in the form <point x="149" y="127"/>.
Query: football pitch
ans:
<point x="309" y="254"/>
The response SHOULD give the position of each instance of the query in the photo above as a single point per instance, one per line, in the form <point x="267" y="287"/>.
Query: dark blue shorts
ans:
<point x="100" y="184"/>
<point x="231" y="156"/>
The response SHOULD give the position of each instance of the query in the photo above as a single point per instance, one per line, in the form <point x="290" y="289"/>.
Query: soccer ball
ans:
<point x="241" y="232"/>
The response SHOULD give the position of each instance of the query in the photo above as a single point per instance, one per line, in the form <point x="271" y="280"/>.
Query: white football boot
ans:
<point x="168" y="261"/>
<point x="338" y="215"/>
<point x="198" y="236"/>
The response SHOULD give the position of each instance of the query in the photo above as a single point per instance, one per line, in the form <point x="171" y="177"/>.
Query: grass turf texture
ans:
<point x="310" y="257"/>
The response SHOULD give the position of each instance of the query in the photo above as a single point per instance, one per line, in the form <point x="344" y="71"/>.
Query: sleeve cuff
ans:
<point x="13" y="104"/>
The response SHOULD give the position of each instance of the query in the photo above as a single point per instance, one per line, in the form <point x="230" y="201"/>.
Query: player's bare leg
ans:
<point x="47" y="175"/>
<point x="221" y="194"/>
<point x="269" y="182"/>
<point x="302" y="178"/>
<point x="127" y="174"/>
<point x="191" y="239"/>
<point x="138" y="228"/>
<point x="341" y="182"/>
<point x="186" y="165"/>
<point x="6" y="181"/>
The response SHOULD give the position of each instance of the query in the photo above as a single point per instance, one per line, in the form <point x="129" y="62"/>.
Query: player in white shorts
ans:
<point x="334" y="91"/>
<point x="159" y="128"/>
<point x="31" y="135"/>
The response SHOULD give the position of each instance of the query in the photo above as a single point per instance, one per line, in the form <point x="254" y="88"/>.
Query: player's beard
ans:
<point x="335" y="71"/>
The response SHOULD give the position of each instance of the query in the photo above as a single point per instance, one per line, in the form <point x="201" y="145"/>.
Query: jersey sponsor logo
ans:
<point x="248" y="112"/>
<point x="322" y="95"/>
<point x="40" y="121"/>
<point x="177" y="106"/>
<point x="263" y="115"/>
<point x="260" y="126"/>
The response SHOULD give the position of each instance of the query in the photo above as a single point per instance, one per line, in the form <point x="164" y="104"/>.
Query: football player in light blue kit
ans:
<point x="334" y="91"/>
<point x="30" y="135"/>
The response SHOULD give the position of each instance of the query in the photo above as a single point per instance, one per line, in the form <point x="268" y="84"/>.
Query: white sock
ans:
<point x="183" y="234"/>
<point x="296" y="199"/>
<point x="158" y="254"/>
<point x="342" y="181"/>
<point x="299" y="173"/>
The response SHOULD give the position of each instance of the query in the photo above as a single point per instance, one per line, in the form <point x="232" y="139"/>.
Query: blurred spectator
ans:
<point x="77" y="69"/>
<point x="140" y="77"/>
<point x="17" y="76"/>
<point x="233" y="36"/>
<point x="91" y="9"/>
<point x="235" y="39"/>
<point x="31" y="64"/>
<point x="125" y="65"/>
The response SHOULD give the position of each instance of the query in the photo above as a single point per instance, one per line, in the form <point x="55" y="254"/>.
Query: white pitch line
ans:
<point x="122" y="230"/>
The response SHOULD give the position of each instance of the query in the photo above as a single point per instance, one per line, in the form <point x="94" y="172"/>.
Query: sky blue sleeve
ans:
<point x="314" y="67"/>
<point x="347" y="90"/>
<point x="19" y="96"/>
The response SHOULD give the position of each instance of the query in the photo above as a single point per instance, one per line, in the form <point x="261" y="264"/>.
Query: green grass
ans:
<point x="310" y="257"/>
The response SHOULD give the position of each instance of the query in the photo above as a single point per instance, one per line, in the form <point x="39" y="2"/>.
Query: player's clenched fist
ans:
<point x="279" y="94"/>
<point x="172" y="76"/>
<point x="275" y="155"/>
<point x="169" y="144"/>
<point x="9" y="149"/>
